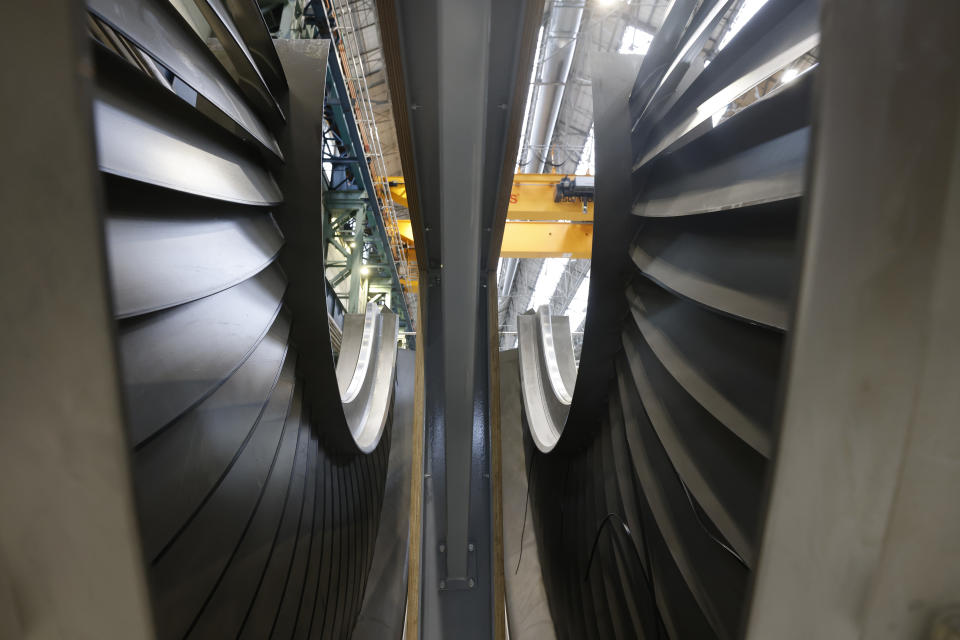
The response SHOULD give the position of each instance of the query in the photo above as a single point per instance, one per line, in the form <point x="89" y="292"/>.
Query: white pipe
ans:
<point x="558" y="48"/>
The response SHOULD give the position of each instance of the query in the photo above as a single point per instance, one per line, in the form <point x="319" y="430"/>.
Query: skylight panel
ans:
<point x="587" y="164"/>
<point x="635" y="40"/>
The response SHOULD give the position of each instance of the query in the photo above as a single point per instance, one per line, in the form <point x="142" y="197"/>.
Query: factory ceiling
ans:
<point x="558" y="131"/>
<point x="558" y="126"/>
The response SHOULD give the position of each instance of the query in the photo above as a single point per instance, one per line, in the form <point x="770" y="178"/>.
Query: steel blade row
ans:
<point x="651" y="528"/>
<point x="719" y="174"/>
<point x="252" y="525"/>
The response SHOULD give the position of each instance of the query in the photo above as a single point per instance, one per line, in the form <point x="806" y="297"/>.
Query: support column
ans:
<point x="356" y="264"/>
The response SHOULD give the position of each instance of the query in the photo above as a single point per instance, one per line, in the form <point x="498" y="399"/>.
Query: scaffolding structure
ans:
<point x="344" y="29"/>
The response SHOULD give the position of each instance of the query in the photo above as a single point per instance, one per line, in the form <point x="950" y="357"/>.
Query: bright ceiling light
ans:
<point x="364" y="271"/>
<point x="789" y="75"/>
<point x="606" y="3"/>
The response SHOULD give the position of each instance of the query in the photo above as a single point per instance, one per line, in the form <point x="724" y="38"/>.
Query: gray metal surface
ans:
<point x="613" y="228"/>
<point x="720" y="471"/>
<point x="305" y="63"/>
<point x="869" y="452"/>
<point x="462" y="60"/>
<point x="772" y="119"/>
<point x="226" y="610"/>
<point x="248" y="21"/>
<point x="698" y="23"/>
<point x="547" y="415"/>
<point x="716" y="580"/>
<point x="383" y="612"/>
<point x="460" y="79"/>
<point x="547" y="374"/>
<point x="193" y="563"/>
<point x="160" y="259"/>
<point x="172" y="478"/>
<point x="70" y="561"/>
<point x="146" y="133"/>
<point x="739" y="263"/>
<point x="660" y="54"/>
<point x="691" y="424"/>
<point x="702" y="343"/>
<point x="253" y="522"/>
<point x="726" y="367"/>
<point x="175" y="358"/>
<point x="780" y="32"/>
<point x="655" y="609"/>
<point x="768" y="172"/>
<point x="573" y="505"/>
<point x="365" y="373"/>
<point x="242" y="66"/>
<point x="157" y="28"/>
<point x="528" y="612"/>
<point x="464" y="612"/>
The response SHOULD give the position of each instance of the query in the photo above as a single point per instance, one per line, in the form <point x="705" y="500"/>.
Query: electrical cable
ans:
<point x="647" y="578"/>
<point x="526" y="503"/>
<point x="696" y="514"/>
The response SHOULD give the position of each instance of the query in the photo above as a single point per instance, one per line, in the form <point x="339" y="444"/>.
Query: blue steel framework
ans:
<point x="353" y="220"/>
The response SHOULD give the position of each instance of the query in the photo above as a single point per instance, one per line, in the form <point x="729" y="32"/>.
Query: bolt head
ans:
<point x="470" y="547"/>
<point x="443" y="548"/>
<point x="471" y="583"/>
<point x="443" y="584"/>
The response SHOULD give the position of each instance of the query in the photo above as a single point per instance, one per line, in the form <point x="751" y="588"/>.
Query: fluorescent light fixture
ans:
<point x="587" y="164"/>
<point x="550" y="273"/>
<point x="577" y="310"/>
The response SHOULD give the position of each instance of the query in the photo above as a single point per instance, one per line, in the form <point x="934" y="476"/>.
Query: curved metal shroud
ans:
<point x="547" y="374"/>
<point x="366" y="370"/>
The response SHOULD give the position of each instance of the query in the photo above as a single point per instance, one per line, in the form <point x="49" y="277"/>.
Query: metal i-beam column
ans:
<point x="462" y="56"/>
<point x="458" y="70"/>
<point x="356" y="262"/>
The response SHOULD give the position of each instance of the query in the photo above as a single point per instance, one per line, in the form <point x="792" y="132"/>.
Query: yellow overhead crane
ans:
<point x="549" y="216"/>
